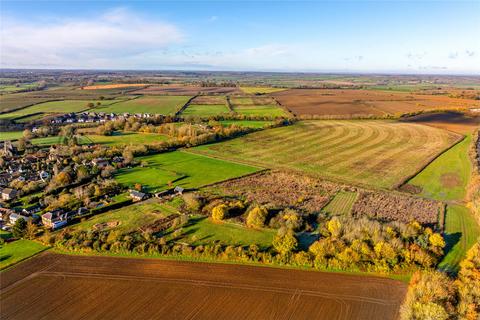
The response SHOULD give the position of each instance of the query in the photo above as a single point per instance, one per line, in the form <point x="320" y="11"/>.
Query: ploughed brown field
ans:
<point x="325" y="102"/>
<point x="454" y="121"/>
<point x="186" y="90"/>
<point x="52" y="286"/>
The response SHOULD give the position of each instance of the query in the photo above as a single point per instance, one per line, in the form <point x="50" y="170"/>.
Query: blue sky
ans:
<point x="316" y="36"/>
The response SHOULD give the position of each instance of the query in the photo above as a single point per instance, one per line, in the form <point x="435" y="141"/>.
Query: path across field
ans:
<point x="118" y="288"/>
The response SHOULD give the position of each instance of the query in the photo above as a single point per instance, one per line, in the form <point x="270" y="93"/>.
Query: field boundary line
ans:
<point x="430" y="161"/>
<point x="185" y="106"/>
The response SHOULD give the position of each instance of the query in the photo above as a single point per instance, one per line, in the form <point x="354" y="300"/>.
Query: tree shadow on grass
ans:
<point x="451" y="239"/>
<point x="5" y="257"/>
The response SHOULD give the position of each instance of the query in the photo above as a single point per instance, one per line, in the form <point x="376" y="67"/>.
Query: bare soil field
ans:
<point x="453" y="121"/>
<point x="186" y="90"/>
<point x="117" y="288"/>
<point x="329" y="102"/>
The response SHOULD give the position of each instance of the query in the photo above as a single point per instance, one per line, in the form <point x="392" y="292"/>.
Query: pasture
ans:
<point x="11" y="135"/>
<point x="52" y="107"/>
<point x="127" y="219"/>
<point x="117" y="138"/>
<point x="342" y="203"/>
<point x="246" y="123"/>
<point x="461" y="232"/>
<point x="260" y="90"/>
<point x="377" y="153"/>
<point x="166" y="289"/>
<point x="204" y="231"/>
<point x="347" y="103"/>
<point x="16" y="251"/>
<point x="166" y="105"/>
<point x="183" y="169"/>
<point x="260" y="110"/>
<point x="188" y="90"/>
<point x="205" y="110"/>
<point x="447" y="177"/>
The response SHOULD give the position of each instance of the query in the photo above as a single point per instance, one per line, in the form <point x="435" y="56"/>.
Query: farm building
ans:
<point x="137" y="195"/>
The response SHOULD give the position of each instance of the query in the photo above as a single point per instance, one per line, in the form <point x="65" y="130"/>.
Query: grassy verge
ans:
<point x="461" y="232"/>
<point x="16" y="251"/>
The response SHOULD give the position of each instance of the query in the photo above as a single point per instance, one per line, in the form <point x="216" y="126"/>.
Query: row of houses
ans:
<point x="93" y="117"/>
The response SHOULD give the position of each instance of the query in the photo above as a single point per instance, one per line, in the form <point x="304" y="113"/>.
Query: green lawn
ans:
<point x="16" y="251"/>
<point x="447" y="177"/>
<point x="51" y="107"/>
<point x="152" y="104"/>
<point x="342" y="203"/>
<point x="205" y="110"/>
<point x="181" y="168"/>
<point x="204" y="231"/>
<point x="260" y="110"/>
<point x="11" y="135"/>
<point x="461" y="232"/>
<point x="130" y="218"/>
<point x="246" y="123"/>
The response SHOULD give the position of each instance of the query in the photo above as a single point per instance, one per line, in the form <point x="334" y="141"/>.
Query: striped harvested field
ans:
<point x="377" y="153"/>
<point x="342" y="203"/>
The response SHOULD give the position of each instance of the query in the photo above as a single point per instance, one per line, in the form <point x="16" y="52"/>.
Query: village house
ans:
<point x="8" y="194"/>
<point x="100" y="163"/>
<point x="137" y="195"/>
<point x="55" y="219"/>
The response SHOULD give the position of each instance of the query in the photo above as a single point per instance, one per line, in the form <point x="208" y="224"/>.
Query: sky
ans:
<point x="429" y="37"/>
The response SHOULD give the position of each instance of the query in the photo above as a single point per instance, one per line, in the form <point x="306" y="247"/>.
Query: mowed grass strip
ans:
<point x="447" y="177"/>
<point x="461" y="232"/>
<point x="16" y="251"/>
<point x="342" y="203"/>
<point x="166" y="105"/>
<point x="205" y="110"/>
<point x="377" y="153"/>
<point x="183" y="169"/>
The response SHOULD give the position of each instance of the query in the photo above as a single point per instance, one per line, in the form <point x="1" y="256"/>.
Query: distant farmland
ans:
<point x="378" y="153"/>
<point x="67" y="287"/>
<point x="205" y="110"/>
<point x="326" y="102"/>
<point x="156" y="105"/>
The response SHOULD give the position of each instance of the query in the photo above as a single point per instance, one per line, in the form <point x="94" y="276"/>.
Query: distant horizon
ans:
<point x="413" y="37"/>
<point x="353" y="73"/>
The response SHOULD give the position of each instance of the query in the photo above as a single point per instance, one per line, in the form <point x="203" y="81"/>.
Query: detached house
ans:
<point x="8" y="194"/>
<point x="55" y="219"/>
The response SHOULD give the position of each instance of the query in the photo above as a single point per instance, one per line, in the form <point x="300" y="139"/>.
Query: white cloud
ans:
<point x="115" y="34"/>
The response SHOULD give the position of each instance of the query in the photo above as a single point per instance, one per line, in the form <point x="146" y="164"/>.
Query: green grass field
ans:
<point x="16" y="251"/>
<point x="166" y="105"/>
<point x="204" y="231"/>
<point x="447" y="177"/>
<point x="246" y="123"/>
<point x="260" y="90"/>
<point x="130" y="218"/>
<point x="52" y="107"/>
<point x="117" y="138"/>
<point x="377" y="153"/>
<point x="11" y="135"/>
<point x="461" y="232"/>
<point x="205" y="110"/>
<point x="260" y="110"/>
<point x="181" y="168"/>
<point x="342" y="203"/>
